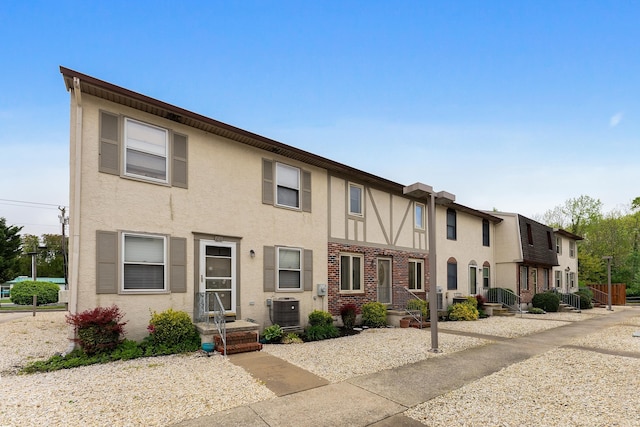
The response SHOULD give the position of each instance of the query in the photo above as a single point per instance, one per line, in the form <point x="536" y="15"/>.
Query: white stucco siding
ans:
<point x="224" y="197"/>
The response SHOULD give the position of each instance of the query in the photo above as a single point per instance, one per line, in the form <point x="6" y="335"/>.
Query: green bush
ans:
<point x="98" y="330"/>
<point x="463" y="311"/>
<point x="320" y="318"/>
<point x="374" y="314"/>
<point x="586" y="295"/>
<point x="548" y="301"/>
<point x="419" y="304"/>
<point x="22" y="292"/>
<point x="535" y="310"/>
<point x="321" y="332"/>
<point x="171" y="332"/>
<point x="291" y="338"/>
<point x="272" y="334"/>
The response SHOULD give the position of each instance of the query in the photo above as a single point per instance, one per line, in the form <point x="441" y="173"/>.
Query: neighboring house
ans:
<point x="466" y="250"/>
<point x="565" y="275"/>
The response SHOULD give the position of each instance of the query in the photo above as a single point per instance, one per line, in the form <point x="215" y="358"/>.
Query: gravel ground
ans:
<point x="165" y="390"/>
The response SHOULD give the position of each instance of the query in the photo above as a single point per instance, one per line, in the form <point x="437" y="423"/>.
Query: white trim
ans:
<point x="202" y="287"/>
<point x="422" y="215"/>
<point x="361" y="188"/>
<point x="300" y="269"/>
<point x="351" y="290"/>
<point x="166" y="154"/>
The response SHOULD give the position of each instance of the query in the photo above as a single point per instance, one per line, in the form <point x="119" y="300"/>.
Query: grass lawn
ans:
<point x="29" y="307"/>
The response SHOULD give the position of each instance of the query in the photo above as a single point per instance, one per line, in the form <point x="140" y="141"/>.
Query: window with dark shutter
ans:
<point x="269" y="268"/>
<point x="109" y="151"/>
<point x="106" y="262"/>
<point x="179" y="161"/>
<point x="178" y="261"/>
<point x="267" y="182"/>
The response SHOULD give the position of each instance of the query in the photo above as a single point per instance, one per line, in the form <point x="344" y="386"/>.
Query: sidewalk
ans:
<point x="380" y="399"/>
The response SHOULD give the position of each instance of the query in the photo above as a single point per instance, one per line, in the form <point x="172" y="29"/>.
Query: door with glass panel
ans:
<point x="384" y="280"/>
<point x="218" y="273"/>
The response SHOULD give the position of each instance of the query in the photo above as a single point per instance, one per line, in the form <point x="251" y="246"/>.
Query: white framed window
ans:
<point x="289" y="262"/>
<point x="572" y="279"/>
<point x="416" y="274"/>
<point x="419" y="216"/>
<point x="146" y="153"/>
<point x="572" y="249"/>
<point x="524" y="278"/>
<point x="534" y="279"/>
<point x="559" y="245"/>
<point x="287" y="186"/>
<point x="486" y="277"/>
<point x="144" y="261"/>
<point x="355" y="199"/>
<point x="558" y="278"/>
<point x="351" y="272"/>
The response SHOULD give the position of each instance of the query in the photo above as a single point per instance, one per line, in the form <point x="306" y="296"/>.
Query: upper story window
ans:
<point x="486" y="276"/>
<point x="529" y="234"/>
<point x="572" y="249"/>
<point x="485" y="233"/>
<point x="146" y="152"/>
<point x="416" y="274"/>
<point x="133" y="149"/>
<point x="355" y="199"/>
<point x="559" y="245"/>
<point x="351" y="272"/>
<point x="143" y="262"/>
<point x="289" y="269"/>
<point x="549" y="243"/>
<point x="288" y="185"/>
<point x="451" y="224"/>
<point x="419" y="216"/>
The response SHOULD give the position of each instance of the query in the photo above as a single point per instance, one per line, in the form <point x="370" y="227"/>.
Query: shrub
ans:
<point x="171" y="332"/>
<point x="586" y="295"/>
<point x="348" y="312"/>
<point x="548" y="301"/>
<point x="535" y="310"/>
<point x="480" y="302"/>
<point x="463" y="311"/>
<point x="321" y="332"/>
<point x="98" y="330"/>
<point x="291" y="338"/>
<point x="272" y="334"/>
<point x="419" y="304"/>
<point x="320" y="318"/>
<point x="22" y="292"/>
<point x="374" y="314"/>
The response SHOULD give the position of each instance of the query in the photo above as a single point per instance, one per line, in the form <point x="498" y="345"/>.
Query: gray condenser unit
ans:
<point x="286" y="312"/>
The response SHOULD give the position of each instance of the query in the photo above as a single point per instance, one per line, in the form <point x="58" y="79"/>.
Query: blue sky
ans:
<point x="511" y="105"/>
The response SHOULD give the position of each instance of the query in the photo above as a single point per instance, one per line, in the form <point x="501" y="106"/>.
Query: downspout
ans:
<point x="74" y="211"/>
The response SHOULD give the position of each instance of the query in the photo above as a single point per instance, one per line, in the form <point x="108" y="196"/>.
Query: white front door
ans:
<point x="473" y="281"/>
<point x="218" y="273"/>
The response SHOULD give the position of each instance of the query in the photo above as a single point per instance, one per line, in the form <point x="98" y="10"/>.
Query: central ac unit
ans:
<point x="286" y="312"/>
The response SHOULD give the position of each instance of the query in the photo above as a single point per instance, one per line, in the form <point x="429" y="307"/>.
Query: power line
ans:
<point x="37" y="205"/>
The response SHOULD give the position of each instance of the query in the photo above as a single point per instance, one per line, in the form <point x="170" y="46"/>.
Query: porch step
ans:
<point x="502" y="312"/>
<point x="239" y="348"/>
<point x="565" y="308"/>
<point x="238" y="342"/>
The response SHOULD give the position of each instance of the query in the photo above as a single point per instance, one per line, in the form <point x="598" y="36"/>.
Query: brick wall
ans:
<point x="399" y="274"/>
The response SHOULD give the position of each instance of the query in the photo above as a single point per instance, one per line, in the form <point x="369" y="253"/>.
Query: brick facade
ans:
<point x="399" y="272"/>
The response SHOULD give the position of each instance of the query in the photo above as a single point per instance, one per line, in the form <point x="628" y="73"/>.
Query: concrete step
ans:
<point x="239" y="348"/>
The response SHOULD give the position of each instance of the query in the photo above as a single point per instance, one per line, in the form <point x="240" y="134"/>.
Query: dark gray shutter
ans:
<point x="109" y="161"/>
<point x="308" y="270"/>
<point x="267" y="182"/>
<point x="306" y="191"/>
<point x="269" y="268"/>
<point x="178" y="264"/>
<point x="179" y="162"/>
<point x="106" y="262"/>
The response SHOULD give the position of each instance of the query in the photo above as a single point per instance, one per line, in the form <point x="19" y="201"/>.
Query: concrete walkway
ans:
<point x="380" y="399"/>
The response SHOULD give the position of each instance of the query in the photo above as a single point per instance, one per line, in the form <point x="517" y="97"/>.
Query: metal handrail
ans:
<point x="599" y="296"/>
<point x="416" y="314"/>
<point x="506" y="298"/>
<point x="220" y="320"/>
<point x="569" y="298"/>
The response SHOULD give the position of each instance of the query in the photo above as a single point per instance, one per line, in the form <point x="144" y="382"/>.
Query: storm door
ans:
<point x="218" y="273"/>
<point x="384" y="280"/>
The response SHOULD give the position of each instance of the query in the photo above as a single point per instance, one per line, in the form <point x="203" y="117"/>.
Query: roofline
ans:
<point x="568" y="234"/>
<point x="120" y="95"/>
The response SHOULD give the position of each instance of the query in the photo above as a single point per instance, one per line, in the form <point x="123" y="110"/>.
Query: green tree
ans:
<point x="49" y="261"/>
<point x="575" y="215"/>
<point x="9" y="250"/>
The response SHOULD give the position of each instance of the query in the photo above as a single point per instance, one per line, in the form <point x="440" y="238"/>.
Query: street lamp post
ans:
<point x="421" y="191"/>
<point x="608" y="258"/>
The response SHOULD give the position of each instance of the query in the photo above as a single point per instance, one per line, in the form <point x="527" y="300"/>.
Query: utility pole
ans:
<point x="64" y="220"/>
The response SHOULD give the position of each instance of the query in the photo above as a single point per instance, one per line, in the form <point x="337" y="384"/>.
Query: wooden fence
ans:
<point x="618" y="293"/>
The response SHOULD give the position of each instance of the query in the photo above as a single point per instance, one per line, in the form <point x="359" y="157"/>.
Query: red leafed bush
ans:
<point x="481" y="301"/>
<point x="98" y="330"/>
<point x="348" y="313"/>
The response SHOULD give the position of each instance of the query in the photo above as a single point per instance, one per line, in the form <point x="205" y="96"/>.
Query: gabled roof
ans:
<point x="537" y="247"/>
<point x="120" y="95"/>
